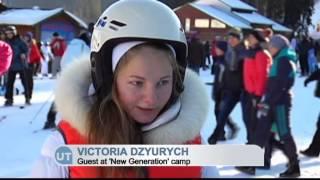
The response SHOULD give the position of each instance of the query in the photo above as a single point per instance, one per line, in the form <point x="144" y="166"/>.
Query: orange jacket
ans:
<point x="72" y="136"/>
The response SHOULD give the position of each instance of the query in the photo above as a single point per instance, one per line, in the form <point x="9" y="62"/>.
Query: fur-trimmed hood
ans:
<point x="73" y="103"/>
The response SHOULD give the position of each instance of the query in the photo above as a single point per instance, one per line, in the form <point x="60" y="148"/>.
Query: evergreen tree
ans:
<point x="295" y="14"/>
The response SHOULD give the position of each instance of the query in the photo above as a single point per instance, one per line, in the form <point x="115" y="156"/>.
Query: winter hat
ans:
<point x="55" y="34"/>
<point x="235" y="33"/>
<point x="30" y="34"/>
<point x="278" y="41"/>
<point x="268" y="33"/>
<point x="222" y="45"/>
<point x="258" y="34"/>
<point x="122" y="48"/>
<point x="12" y="29"/>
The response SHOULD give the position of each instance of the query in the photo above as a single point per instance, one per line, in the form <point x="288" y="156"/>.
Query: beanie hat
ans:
<point x="268" y="32"/>
<point x="30" y="34"/>
<point x="122" y="48"/>
<point x="222" y="45"/>
<point x="55" y="34"/>
<point x="279" y="42"/>
<point x="235" y="33"/>
<point x="12" y="29"/>
<point x="258" y="34"/>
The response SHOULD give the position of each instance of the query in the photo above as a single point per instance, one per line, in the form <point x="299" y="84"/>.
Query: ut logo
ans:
<point x="102" y="22"/>
<point x="63" y="155"/>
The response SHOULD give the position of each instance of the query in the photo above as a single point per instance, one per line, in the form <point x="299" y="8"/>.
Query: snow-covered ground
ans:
<point x="20" y="144"/>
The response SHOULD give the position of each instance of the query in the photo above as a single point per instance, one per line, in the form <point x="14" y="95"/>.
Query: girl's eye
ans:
<point x="163" y="82"/>
<point x="136" y="83"/>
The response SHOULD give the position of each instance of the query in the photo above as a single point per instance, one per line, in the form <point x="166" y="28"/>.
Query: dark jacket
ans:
<point x="315" y="76"/>
<point x="281" y="78"/>
<point x="219" y="69"/>
<point x="233" y="76"/>
<point x="18" y="47"/>
<point x="196" y="52"/>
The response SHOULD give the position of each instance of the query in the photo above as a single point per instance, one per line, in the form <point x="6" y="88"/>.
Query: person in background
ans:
<point x="2" y="35"/>
<point x="219" y="93"/>
<point x="5" y="61"/>
<point x="58" y="46"/>
<point x="232" y="84"/>
<point x="207" y="55"/>
<point x="5" y="57"/>
<point x="275" y="106"/>
<point x="312" y="60"/>
<point x="34" y="60"/>
<point x="47" y="56"/>
<point x="303" y="48"/>
<point x="314" y="148"/>
<point x="195" y="54"/>
<point x="256" y="66"/>
<point x="34" y="53"/>
<point x="18" y="65"/>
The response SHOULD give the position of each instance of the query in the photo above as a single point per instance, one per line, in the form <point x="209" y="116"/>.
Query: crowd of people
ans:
<point x="258" y="71"/>
<point x="28" y="59"/>
<point x="22" y="54"/>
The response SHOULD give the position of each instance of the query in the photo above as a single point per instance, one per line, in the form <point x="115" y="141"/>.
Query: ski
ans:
<point x="40" y="130"/>
<point x="17" y="106"/>
<point x="3" y="118"/>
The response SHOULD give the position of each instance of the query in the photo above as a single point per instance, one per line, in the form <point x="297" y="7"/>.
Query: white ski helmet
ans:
<point x="133" y="20"/>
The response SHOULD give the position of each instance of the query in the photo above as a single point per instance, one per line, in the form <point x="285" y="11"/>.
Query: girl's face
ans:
<point x="144" y="84"/>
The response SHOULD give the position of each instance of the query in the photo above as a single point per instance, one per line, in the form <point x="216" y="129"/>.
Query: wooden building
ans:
<point x="214" y="18"/>
<point x="43" y="23"/>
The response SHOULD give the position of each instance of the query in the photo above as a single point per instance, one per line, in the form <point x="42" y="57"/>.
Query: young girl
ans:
<point x="135" y="90"/>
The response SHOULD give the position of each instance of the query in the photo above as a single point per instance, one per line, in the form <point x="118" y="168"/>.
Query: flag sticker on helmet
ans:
<point x="102" y="22"/>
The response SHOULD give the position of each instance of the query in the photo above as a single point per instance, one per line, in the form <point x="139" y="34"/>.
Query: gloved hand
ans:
<point x="254" y="100"/>
<point x="306" y="81"/>
<point x="263" y="110"/>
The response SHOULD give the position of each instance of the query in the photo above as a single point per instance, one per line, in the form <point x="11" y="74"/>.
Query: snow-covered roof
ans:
<point x="278" y="27"/>
<point x="237" y="4"/>
<point x="31" y="17"/>
<point x="223" y="16"/>
<point x="80" y="21"/>
<point x="256" y="18"/>
<point x="26" y="16"/>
